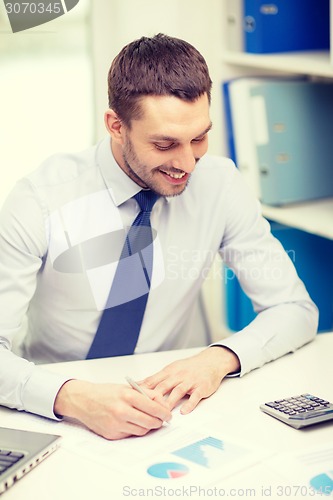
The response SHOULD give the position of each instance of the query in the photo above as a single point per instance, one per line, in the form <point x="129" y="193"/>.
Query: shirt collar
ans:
<point x="120" y="186"/>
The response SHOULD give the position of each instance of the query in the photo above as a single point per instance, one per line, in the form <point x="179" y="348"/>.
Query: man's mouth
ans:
<point x="174" y="176"/>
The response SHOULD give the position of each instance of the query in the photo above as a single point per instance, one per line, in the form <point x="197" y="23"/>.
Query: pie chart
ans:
<point x="168" y="470"/>
<point x="323" y="483"/>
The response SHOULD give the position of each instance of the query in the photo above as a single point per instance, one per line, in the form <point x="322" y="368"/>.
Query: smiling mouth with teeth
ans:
<point x="174" y="175"/>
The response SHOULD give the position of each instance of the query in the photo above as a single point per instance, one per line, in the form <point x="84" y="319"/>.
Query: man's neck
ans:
<point x="117" y="154"/>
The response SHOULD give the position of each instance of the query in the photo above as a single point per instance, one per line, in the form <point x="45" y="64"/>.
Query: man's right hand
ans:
<point x="113" y="411"/>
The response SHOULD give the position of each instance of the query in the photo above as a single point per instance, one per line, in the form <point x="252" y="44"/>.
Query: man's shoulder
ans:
<point x="213" y="171"/>
<point x="62" y="168"/>
<point x="210" y="183"/>
<point x="221" y="164"/>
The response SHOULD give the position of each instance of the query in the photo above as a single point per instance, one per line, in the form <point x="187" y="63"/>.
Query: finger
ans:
<point x="153" y="380"/>
<point x="136" y="422"/>
<point x="140" y="422"/>
<point x="169" y="384"/>
<point x="120" y="430"/>
<point x="156" y="396"/>
<point x="191" y="403"/>
<point x="132" y="429"/>
<point x="150" y="407"/>
<point x="177" y="394"/>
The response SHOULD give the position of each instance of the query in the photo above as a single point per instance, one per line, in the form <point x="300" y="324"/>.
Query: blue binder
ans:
<point x="228" y="120"/>
<point x="293" y="132"/>
<point x="286" y="25"/>
<point x="314" y="264"/>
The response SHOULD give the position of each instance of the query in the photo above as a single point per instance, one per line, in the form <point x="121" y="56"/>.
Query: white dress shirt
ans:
<point x="61" y="230"/>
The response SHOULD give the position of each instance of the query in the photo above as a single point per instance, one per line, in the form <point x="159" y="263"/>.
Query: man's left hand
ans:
<point x="198" y="376"/>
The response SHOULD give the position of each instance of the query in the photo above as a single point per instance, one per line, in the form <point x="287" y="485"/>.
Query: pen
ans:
<point x="136" y="387"/>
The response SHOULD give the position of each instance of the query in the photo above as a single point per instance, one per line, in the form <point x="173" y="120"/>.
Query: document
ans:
<point x="192" y="449"/>
<point x="310" y="469"/>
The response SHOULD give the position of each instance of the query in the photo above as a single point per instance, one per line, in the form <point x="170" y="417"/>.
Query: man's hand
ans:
<point x="198" y="376"/>
<point x="110" y="410"/>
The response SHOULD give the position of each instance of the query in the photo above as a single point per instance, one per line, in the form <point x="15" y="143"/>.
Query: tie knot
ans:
<point x="146" y="200"/>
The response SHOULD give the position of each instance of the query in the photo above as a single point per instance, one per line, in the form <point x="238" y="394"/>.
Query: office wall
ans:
<point x="117" y="22"/>
<point x="46" y="95"/>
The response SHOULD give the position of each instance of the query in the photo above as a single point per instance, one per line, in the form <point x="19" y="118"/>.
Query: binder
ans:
<point x="293" y="133"/>
<point x="229" y="128"/>
<point x="239" y="119"/>
<point x="234" y="33"/>
<point x="331" y="35"/>
<point x="242" y="148"/>
<point x="312" y="257"/>
<point x="286" y="25"/>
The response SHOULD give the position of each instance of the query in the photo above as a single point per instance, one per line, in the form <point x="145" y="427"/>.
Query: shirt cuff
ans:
<point x="40" y="392"/>
<point x="222" y="344"/>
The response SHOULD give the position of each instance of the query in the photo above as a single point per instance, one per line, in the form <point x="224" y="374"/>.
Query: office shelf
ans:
<point x="308" y="63"/>
<point x="315" y="217"/>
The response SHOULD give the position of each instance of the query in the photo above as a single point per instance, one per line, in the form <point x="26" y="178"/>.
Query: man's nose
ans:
<point x="184" y="159"/>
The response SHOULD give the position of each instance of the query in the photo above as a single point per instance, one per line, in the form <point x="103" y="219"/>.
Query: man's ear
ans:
<point x="114" y="126"/>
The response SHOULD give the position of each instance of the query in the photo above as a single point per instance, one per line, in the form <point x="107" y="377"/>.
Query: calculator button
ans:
<point x="309" y="415"/>
<point x="16" y="454"/>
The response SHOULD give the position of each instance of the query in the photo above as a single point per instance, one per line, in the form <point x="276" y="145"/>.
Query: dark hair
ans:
<point x="161" y="65"/>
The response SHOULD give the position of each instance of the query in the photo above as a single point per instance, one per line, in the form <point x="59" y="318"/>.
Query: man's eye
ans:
<point x="164" y="147"/>
<point x="200" y="139"/>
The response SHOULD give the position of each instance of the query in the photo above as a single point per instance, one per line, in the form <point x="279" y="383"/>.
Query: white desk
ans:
<point x="66" y="475"/>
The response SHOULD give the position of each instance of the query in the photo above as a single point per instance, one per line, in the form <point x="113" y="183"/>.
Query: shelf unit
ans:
<point x="307" y="63"/>
<point x="316" y="216"/>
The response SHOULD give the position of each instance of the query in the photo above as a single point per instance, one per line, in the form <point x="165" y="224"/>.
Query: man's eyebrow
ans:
<point x="210" y="126"/>
<point x="167" y="138"/>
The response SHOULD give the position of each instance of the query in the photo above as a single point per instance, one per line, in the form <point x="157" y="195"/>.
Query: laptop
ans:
<point x="21" y="451"/>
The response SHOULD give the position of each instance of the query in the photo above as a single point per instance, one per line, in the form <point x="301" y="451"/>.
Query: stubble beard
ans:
<point x="130" y="157"/>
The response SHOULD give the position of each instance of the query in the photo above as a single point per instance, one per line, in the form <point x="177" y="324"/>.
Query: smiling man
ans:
<point x="161" y="154"/>
<point x="75" y="265"/>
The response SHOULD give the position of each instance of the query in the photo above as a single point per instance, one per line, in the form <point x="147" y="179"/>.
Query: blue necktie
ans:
<point x="121" y="321"/>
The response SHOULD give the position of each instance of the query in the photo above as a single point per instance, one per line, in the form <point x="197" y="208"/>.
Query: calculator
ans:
<point x="300" y="411"/>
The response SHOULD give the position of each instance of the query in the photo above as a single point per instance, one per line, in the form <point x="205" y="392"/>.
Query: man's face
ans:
<point x="161" y="149"/>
